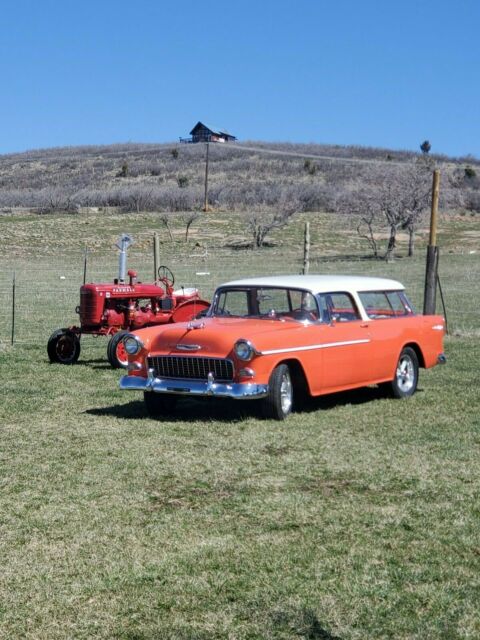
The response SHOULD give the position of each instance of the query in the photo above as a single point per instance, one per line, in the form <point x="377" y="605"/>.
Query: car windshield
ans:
<point x="265" y="302"/>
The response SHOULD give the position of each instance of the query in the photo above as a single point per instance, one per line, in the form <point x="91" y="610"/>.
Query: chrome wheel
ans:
<point x="405" y="374"/>
<point x="405" y="380"/>
<point x="279" y="400"/>
<point x="286" y="393"/>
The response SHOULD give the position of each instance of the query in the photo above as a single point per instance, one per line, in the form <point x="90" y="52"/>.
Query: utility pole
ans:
<point x="205" y="204"/>
<point x="429" y="300"/>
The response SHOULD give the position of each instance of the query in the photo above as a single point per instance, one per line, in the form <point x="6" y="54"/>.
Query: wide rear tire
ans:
<point x="63" y="347"/>
<point x="116" y="354"/>
<point x="278" y="403"/>
<point x="159" y="404"/>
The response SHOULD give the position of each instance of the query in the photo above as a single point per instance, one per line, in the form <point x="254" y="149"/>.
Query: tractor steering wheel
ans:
<point x="166" y="276"/>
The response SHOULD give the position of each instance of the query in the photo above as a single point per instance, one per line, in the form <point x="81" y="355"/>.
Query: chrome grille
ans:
<point x="191" y="368"/>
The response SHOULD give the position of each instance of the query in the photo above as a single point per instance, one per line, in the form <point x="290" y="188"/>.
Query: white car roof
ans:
<point x="321" y="283"/>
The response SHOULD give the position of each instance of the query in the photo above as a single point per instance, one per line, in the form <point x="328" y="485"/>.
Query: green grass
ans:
<point x="356" y="518"/>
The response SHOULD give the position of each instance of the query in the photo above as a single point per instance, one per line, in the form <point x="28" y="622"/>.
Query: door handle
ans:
<point x="365" y="325"/>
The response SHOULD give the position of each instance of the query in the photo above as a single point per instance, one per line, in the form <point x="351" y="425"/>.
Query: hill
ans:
<point x="242" y="177"/>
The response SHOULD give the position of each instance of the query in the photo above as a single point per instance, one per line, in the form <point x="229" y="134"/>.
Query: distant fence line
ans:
<point x="47" y="290"/>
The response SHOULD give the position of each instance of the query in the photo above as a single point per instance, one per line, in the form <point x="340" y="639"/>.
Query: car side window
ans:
<point x="399" y="302"/>
<point x="339" y="307"/>
<point x="376" y="304"/>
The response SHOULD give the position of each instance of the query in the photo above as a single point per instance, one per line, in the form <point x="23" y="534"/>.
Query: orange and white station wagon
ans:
<point x="279" y="339"/>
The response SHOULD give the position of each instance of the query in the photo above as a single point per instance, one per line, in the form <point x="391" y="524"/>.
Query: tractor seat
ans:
<point x="188" y="292"/>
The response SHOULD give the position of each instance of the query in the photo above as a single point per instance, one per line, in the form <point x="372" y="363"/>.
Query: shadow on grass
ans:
<point x="227" y="411"/>
<point x="359" y="396"/>
<point x="207" y="409"/>
<point x="301" y="622"/>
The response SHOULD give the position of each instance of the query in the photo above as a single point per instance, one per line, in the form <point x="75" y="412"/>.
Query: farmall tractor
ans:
<point x="114" y="309"/>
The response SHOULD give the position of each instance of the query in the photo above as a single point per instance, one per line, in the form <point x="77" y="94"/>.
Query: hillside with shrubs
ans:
<point x="242" y="177"/>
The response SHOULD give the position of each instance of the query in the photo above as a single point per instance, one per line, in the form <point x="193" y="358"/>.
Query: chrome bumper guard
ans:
<point x="237" y="390"/>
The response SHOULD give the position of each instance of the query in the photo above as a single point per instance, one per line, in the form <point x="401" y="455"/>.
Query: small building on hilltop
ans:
<point x="203" y="133"/>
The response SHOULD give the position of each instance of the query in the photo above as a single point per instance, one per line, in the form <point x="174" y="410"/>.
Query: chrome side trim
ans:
<point x="325" y="345"/>
<point x="238" y="390"/>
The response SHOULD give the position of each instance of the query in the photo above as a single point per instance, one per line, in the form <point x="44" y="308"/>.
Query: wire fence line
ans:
<point x="41" y="295"/>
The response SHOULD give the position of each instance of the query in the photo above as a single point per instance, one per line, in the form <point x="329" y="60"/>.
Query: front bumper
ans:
<point x="237" y="390"/>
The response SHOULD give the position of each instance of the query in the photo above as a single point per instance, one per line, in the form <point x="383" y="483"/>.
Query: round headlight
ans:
<point x="132" y="345"/>
<point x="244" y="350"/>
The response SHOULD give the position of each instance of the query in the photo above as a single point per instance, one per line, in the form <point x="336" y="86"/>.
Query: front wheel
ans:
<point x="159" y="404"/>
<point x="404" y="384"/>
<point x="279" y="400"/>
<point x="63" y="347"/>
<point x="116" y="354"/>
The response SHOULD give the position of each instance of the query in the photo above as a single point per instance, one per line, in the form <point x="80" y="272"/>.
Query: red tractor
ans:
<point x="114" y="309"/>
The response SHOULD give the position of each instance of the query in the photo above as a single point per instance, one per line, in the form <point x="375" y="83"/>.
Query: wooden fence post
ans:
<point x="306" y="249"/>
<point x="429" y="300"/>
<point x="13" y="308"/>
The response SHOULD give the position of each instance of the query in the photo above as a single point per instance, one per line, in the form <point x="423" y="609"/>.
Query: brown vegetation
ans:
<point x="386" y="191"/>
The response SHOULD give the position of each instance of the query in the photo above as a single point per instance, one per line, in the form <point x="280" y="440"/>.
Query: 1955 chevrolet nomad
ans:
<point x="281" y="338"/>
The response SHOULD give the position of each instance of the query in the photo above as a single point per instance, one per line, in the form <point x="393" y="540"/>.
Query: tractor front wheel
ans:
<point x="63" y="347"/>
<point x="116" y="354"/>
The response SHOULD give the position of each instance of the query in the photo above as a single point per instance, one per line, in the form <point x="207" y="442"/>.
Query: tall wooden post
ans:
<point x="13" y="309"/>
<point x="306" y="249"/>
<point x="429" y="300"/>
<point x="205" y="204"/>
<point x="156" y="255"/>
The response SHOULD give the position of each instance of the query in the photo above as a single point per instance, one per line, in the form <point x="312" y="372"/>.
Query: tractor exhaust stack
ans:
<point x="123" y="244"/>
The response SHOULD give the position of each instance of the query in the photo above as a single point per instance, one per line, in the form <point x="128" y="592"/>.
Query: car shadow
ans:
<point x="207" y="409"/>
<point x="224" y="410"/>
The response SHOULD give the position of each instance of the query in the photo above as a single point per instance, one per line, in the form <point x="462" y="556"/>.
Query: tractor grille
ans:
<point x="191" y="368"/>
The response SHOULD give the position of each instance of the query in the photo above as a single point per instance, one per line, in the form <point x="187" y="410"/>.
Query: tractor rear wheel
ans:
<point x="116" y="354"/>
<point x="63" y="347"/>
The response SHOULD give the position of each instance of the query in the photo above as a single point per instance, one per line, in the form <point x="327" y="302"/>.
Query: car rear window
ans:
<point x="383" y="304"/>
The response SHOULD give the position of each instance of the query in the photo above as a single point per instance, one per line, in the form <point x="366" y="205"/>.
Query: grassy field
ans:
<point x="356" y="518"/>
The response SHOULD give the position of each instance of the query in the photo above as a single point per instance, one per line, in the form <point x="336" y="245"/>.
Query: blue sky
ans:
<point x="387" y="74"/>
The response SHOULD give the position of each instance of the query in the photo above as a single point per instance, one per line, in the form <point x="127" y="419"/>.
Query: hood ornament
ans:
<point x="195" y="325"/>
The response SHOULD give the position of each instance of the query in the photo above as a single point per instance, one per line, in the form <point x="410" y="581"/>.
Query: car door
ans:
<point x="345" y="344"/>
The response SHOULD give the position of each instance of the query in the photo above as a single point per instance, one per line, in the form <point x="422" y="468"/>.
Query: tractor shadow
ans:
<point x="96" y="364"/>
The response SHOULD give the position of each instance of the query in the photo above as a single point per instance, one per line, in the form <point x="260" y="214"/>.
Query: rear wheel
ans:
<point x="63" y="347"/>
<point x="279" y="401"/>
<point x="116" y="354"/>
<point x="405" y="381"/>
<point x="159" y="405"/>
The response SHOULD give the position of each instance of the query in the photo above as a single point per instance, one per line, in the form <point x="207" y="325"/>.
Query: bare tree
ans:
<point x="165" y="219"/>
<point x="189" y="218"/>
<point x="397" y="202"/>
<point x="260" y="224"/>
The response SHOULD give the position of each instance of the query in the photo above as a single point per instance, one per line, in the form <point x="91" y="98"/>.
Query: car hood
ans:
<point x="216" y="336"/>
